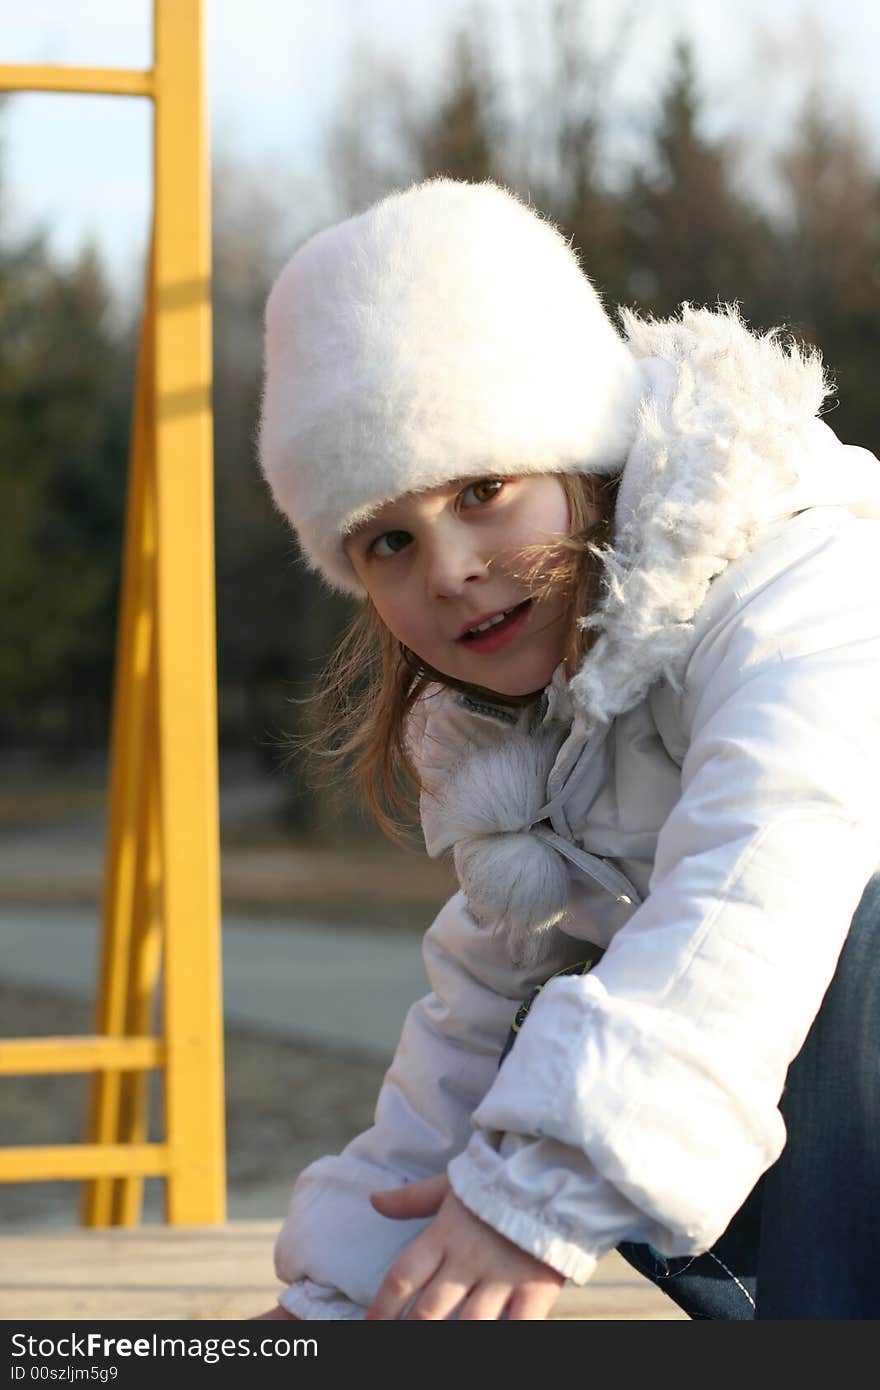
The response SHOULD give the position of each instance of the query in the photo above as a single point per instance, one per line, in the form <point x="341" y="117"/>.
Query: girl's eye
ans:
<point x="480" y="488"/>
<point x="389" y="537"/>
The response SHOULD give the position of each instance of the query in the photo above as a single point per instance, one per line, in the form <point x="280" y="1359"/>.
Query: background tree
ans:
<point x="556" y="153"/>
<point x="65" y="383"/>
<point x="828" y="282"/>
<point x="689" y="233"/>
<point x="275" y="619"/>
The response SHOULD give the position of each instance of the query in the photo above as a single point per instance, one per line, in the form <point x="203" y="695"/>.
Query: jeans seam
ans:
<point x="738" y="1283"/>
<point x="674" y="1273"/>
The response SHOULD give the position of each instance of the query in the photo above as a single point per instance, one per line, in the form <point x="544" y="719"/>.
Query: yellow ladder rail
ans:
<point x="160" y="916"/>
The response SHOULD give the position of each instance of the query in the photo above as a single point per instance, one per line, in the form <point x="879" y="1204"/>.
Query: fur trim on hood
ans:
<point x="726" y="418"/>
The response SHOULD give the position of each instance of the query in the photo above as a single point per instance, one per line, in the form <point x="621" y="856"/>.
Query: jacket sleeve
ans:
<point x="660" y="1071"/>
<point x="334" y="1248"/>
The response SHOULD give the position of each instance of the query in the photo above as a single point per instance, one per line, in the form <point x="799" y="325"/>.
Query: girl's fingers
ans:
<point x="438" y="1299"/>
<point x="485" y="1303"/>
<point x="413" y="1199"/>
<point x="532" y="1302"/>
<point x="409" y="1273"/>
<point x="457" y="1264"/>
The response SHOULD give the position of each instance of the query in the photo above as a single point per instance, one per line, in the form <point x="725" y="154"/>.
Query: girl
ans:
<point x="624" y="606"/>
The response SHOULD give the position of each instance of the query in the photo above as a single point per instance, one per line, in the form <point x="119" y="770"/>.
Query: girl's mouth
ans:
<point x="498" y="636"/>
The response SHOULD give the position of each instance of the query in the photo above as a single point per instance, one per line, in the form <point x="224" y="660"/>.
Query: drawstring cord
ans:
<point x="590" y="865"/>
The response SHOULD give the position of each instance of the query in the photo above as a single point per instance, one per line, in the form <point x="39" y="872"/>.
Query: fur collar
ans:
<point x="725" y="417"/>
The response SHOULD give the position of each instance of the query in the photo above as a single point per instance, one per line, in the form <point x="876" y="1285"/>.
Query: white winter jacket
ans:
<point x="702" y="800"/>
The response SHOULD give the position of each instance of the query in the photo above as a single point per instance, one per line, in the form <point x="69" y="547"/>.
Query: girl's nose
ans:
<point x="452" y="562"/>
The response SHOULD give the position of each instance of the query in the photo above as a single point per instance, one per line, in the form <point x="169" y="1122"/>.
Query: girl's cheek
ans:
<point x="400" y="624"/>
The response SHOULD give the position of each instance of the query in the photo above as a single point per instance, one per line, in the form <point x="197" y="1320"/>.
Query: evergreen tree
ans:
<point x="274" y="618"/>
<point x="829" y="274"/>
<point x="689" y="234"/>
<point x="65" y="387"/>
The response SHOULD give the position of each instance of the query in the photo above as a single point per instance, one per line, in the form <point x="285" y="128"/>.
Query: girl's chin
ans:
<point x="517" y="694"/>
<point x="530" y="687"/>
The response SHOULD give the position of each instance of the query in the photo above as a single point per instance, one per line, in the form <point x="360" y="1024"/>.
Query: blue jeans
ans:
<point x="806" y="1242"/>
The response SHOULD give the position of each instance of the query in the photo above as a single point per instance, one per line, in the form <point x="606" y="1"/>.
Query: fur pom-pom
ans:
<point x="483" y="805"/>
<point x="516" y="884"/>
<point x="498" y="787"/>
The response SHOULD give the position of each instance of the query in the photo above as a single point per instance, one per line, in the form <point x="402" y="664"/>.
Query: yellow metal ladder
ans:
<point x="161" y="904"/>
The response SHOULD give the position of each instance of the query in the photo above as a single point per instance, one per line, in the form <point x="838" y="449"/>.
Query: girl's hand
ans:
<point x="276" y="1313"/>
<point x="458" y="1257"/>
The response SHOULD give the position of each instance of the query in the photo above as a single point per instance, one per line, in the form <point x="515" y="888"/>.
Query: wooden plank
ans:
<point x="223" y="1272"/>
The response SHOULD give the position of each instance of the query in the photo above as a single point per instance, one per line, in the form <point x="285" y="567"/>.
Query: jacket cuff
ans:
<point x="543" y="1196"/>
<point x="318" y="1303"/>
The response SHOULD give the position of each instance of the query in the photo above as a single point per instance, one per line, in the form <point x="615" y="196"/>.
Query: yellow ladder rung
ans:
<point x="63" y="1162"/>
<point x="123" y="82"/>
<point x="52" y="1056"/>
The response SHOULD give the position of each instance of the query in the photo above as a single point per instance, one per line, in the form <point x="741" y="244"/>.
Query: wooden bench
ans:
<point x="217" y="1272"/>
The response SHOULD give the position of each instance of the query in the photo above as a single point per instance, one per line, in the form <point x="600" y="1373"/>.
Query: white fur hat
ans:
<point x="445" y="331"/>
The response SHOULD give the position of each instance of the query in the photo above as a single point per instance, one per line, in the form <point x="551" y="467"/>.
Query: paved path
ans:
<point x="341" y="987"/>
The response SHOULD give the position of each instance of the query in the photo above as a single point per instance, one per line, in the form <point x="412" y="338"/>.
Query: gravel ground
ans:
<point x="285" y="1106"/>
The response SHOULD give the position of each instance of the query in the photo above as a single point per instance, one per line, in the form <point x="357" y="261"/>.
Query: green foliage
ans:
<point x="64" y="384"/>
<point x="275" y="620"/>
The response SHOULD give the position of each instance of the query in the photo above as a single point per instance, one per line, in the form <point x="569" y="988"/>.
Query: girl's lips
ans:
<point x="494" y="638"/>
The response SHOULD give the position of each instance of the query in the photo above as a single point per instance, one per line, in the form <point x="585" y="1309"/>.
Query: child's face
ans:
<point x="424" y="559"/>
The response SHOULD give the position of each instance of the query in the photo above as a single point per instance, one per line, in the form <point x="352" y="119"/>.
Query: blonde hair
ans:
<point x="370" y="681"/>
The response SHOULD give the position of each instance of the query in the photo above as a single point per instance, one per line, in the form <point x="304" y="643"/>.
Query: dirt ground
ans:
<point x="285" y="1105"/>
